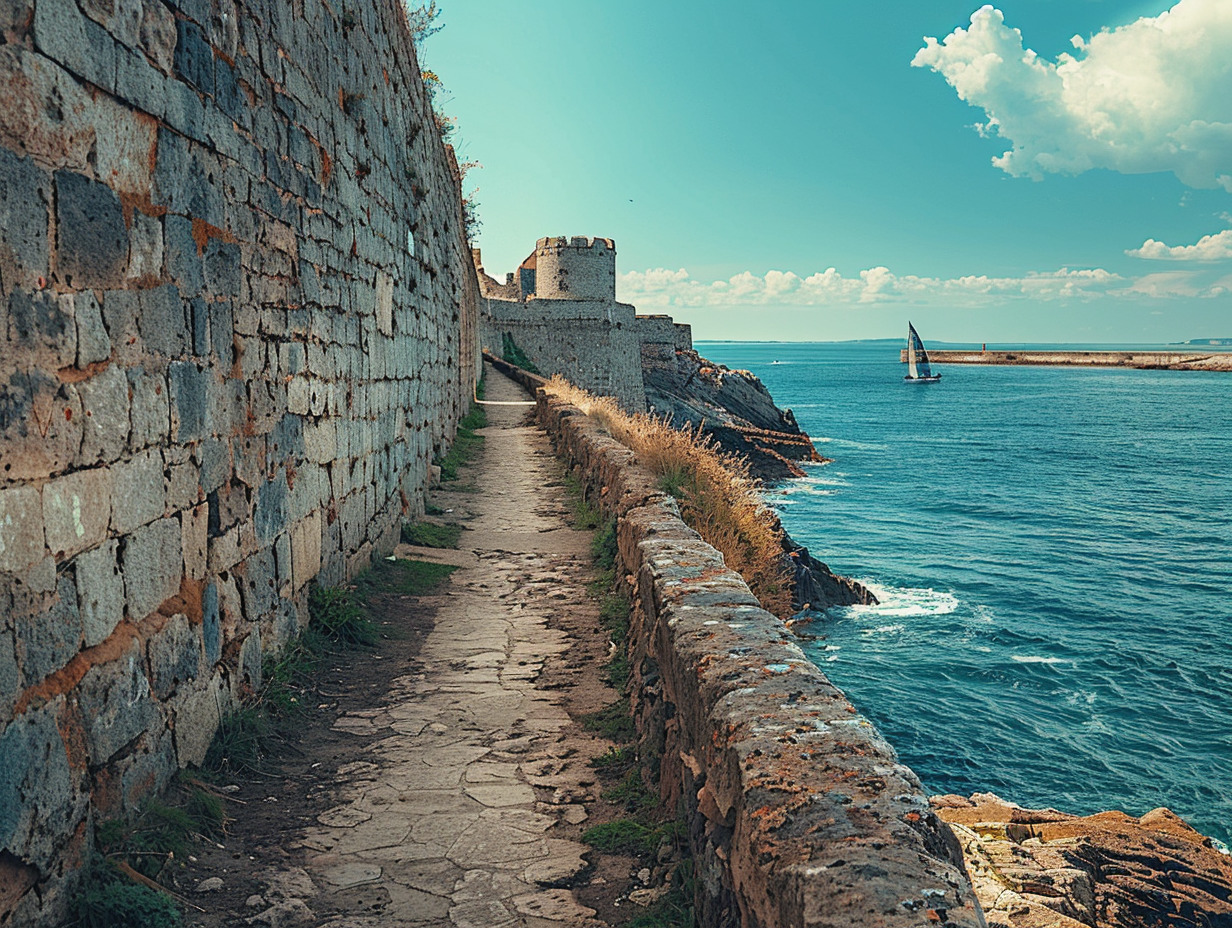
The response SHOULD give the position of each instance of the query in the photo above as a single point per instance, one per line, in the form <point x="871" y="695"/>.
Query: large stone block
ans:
<point x="104" y="404"/>
<point x="258" y="575"/>
<point x="100" y="592"/>
<point x="183" y="486"/>
<point x="10" y="677"/>
<point x="121" y="310"/>
<point x="222" y="334"/>
<point x="196" y="541"/>
<point x="151" y="411"/>
<point x="115" y="700"/>
<point x="91" y="238"/>
<point x="305" y="550"/>
<point x="76" y="511"/>
<point x="21" y="529"/>
<point x="40" y="425"/>
<point x="270" y="512"/>
<point x="82" y="46"/>
<point x="189" y="400"/>
<point x="180" y="253"/>
<point x="42" y="328"/>
<point x="139" y="491"/>
<point x="145" y="247"/>
<point x="211" y="624"/>
<point x="223" y="274"/>
<point x="25" y="193"/>
<point x="140" y="83"/>
<point x="196" y="720"/>
<point x="194" y="59"/>
<point x="215" y="456"/>
<point x="175" y="656"/>
<point x="40" y="798"/>
<point x="153" y="566"/>
<point x="49" y="640"/>
<point x="93" y="343"/>
<point x="164" y="322"/>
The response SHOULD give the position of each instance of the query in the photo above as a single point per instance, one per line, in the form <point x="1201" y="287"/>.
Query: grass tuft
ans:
<point x="432" y="535"/>
<point x="337" y="614"/>
<point x="514" y="355"/>
<point x="111" y="900"/>
<point x="717" y="495"/>
<point x="405" y="578"/>
<point x="613" y="723"/>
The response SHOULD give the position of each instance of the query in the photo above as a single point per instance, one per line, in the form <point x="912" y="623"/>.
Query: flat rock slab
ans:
<point x="443" y="822"/>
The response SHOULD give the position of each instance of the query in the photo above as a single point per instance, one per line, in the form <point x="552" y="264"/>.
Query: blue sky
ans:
<point x="784" y="171"/>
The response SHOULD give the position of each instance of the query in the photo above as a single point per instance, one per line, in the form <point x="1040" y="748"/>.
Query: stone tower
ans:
<point x="575" y="269"/>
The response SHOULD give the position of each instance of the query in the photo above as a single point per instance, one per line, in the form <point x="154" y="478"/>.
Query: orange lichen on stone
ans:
<point x="186" y="602"/>
<point x="67" y="677"/>
<point x="202" y="232"/>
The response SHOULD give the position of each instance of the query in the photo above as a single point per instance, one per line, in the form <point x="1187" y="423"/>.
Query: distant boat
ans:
<point x="918" y="370"/>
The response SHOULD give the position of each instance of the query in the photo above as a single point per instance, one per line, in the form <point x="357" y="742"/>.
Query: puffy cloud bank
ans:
<point x="661" y="288"/>
<point x="878" y="285"/>
<point x="1155" y="95"/>
<point x="1216" y="247"/>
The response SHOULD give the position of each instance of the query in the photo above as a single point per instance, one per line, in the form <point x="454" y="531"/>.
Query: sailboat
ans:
<point x="918" y="370"/>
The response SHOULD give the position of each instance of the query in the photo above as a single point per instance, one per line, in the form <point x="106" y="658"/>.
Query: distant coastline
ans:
<point x="1142" y="360"/>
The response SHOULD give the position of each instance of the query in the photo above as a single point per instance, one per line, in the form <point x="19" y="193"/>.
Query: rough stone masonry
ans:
<point x="237" y="321"/>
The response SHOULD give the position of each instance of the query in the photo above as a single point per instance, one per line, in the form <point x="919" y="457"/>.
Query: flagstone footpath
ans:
<point x="452" y="818"/>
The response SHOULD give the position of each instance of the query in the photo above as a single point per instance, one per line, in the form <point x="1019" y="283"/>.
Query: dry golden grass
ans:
<point x="717" y="497"/>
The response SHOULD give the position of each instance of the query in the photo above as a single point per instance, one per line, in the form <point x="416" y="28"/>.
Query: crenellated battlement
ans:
<point x="553" y="243"/>
<point x="578" y="268"/>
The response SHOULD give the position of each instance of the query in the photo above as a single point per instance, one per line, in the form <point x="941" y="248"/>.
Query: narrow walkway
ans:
<point x="452" y="820"/>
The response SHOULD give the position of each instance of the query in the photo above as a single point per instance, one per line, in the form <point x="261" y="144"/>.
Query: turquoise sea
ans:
<point x="1052" y="547"/>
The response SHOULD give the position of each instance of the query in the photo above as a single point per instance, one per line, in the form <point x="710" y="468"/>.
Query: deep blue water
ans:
<point x="1053" y="550"/>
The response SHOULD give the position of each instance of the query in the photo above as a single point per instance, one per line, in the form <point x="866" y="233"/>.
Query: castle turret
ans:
<point x="575" y="269"/>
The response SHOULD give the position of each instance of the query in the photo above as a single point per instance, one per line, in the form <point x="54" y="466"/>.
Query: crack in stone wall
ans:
<point x="238" y="319"/>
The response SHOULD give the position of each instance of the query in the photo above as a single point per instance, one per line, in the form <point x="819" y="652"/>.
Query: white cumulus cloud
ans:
<point x="1216" y="247"/>
<point x="1155" y="95"/>
<point x="661" y="288"/>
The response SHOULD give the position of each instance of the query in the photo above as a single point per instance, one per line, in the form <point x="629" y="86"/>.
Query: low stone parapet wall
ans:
<point x="799" y="812"/>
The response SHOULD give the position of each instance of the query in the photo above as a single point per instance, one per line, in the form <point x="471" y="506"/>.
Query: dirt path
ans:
<point x="448" y="783"/>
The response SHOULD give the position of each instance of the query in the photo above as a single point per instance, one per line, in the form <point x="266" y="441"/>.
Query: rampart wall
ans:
<point x="799" y="813"/>
<point x="238" y="318"/>
<point x="591" y="343"/>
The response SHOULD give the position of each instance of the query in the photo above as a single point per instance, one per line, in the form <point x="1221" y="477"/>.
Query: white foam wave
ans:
<point x="885" y="630"/>
<point x="1037" y="659"/>
<point x="905" y="602"/>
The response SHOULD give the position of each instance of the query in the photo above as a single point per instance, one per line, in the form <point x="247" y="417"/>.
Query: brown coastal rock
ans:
<point x="1040" y="868"/>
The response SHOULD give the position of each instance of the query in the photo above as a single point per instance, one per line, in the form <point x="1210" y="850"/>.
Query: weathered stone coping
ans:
<point x="799" y="812"/>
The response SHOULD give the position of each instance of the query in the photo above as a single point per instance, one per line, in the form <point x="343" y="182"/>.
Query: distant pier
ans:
<point x="1146" y="360"/>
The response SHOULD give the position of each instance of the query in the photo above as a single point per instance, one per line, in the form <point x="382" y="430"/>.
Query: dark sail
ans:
<point x="916" y="355"/>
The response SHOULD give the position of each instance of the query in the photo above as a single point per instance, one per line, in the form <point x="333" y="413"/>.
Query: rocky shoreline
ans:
<point x="1040" y="868"/>
<point x="735" y="409"/>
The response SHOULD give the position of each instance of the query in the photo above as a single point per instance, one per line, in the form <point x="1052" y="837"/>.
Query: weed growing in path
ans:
<point x="432" y="535"/>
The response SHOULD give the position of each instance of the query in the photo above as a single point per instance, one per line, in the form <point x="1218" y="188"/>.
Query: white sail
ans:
<point x="918" y="368"/>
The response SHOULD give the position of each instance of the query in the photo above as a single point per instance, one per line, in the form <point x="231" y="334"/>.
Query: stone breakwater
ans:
<point x="238" y="319"/>
<point x="798" y="811"/>
<point x="1144" y="360"/>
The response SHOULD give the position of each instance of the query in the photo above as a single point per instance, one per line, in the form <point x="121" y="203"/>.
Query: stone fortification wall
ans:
<point x="799" y="813"/>
<point x="575" y="269"/>
<point x="591" y="343"/>
<point x="660" y="339"/>
<point x="238" y="318"/>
